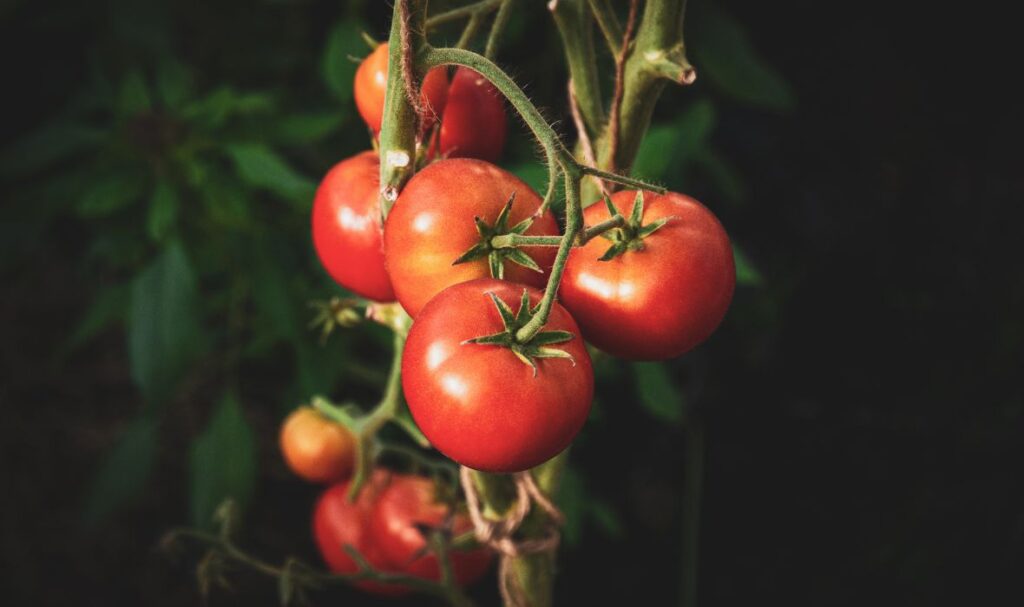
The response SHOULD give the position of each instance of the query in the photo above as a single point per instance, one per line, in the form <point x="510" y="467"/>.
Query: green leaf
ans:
<point x="533" y="173"/>
<point x="47" y="146"/>
<point x="109" y="306"/>
<point x="658" y="394"/>
<point x="581" y="507"/>
<point x="174" y="83"/>
<point x="110" y="194"/>
<point x="725" y="177"/>
<point x="124" y="471"/>
<point x="306" y="128"/>
<point x="668" y="147"/>
<point x="163" y="210"/>
<point x="213" y="110"/>
<point x="337" y="67"/>
<point x="746" y="273"/>
<point x="729" y="61"/>
<point x="164" y="333"/>
<point x="222" y="462"/>
<point x="262" y="167"/>
<point x="133" y="95"/>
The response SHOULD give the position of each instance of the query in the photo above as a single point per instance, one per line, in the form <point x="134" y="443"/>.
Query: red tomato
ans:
<point x="337" y="522"/>
<point x="408" y="502"/>
<point x="347" y="227"/>
<point x="473" y="124"/>
<point x="660" y="300"/>
<point x="372" y="84"/>
<point x="316" y="448"/>
<point x="480" y="404"/>
<point x="432" y="225"/>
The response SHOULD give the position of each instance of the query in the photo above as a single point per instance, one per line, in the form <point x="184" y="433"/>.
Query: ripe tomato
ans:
<point x="481" y="405"/>
<point x="347" y="227"/>
<point x="372" y="84"/>
<point x="316" y="448"/>
<point x="338" y="522"/>
<point x="473" y="124"/>
<point x="660" y="298"/>
<point x="432" y="225"/>
<point x="408" y="503"/>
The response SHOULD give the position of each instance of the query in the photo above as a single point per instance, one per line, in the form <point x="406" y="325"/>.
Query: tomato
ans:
<point x="432" y="224"/>
<point x="316" y="448"/>
<point x="482" y="405"/>
<point x="402" y="509"/>
<point x="371" y="85"/>
<point x="347" y="227"/>
<point x="338" y="522"/>
<point x="473" y="124"/>
<point x="662" y="296"/>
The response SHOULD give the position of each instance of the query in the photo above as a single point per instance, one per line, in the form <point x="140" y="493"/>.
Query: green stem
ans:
<point x="600" y="228"/>
<point x="470" y="10"/>
<point x="608" y="21"/>
<point x="574" y="22"/>
<point x="535" y="573"/>
<point x="509" y="241"/>
<point x="498" y="28"/>
<point x="693" y="483"/>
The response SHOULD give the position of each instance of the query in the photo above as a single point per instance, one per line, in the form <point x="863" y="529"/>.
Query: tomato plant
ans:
<point x="371" y="84"/>
<point x="448" y="212"/>
<point x="455" y="389"/>
<point x="473" y="124"/>
<point x="347" y="227"/>
<point x="656" y="287"/>
<point x="316" y="448"/>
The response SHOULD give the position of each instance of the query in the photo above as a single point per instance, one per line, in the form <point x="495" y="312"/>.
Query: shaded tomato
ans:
<point x="338" y="522"/>
<point x="473" y="124"/>
<point x="432" y="224"/>
<point x="662" y="298"/>
<point x="481" y="405"/>
<point x="316" y="448"/>
<point x="347" y="227"/>
<point x="371" y="85"/>
<point x="409" y="502"/>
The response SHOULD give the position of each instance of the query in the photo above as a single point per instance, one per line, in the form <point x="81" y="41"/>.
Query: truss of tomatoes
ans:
<point x="653" y="288"/>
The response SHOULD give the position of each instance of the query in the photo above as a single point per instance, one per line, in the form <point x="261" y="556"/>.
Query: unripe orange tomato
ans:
<point x="316" y="448"/>
<point x="371" y="85"/>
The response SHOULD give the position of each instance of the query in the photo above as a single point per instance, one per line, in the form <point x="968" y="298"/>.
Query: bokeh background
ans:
<point x="860" y="413"/>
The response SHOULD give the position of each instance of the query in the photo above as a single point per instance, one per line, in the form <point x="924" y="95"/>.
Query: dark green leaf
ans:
<point x="307" y="128"/>
<point x="723" y="174"/>
<point x="533" y="173"/>
<point x="262" y="167"/>
<point x="110" y="194"/>
<point x="49" y="145"/>
<point x="729" y="61"/>
<point x="222" y="462"/>
<point x="339" y="70"/>
<point x="164" y="333"/>
<point x="746" y="273"/>
<point x="133" y="95"/>
<point x="163" y="209"/>
<point x="658" y="395"/>
<point x="109" y="306"/>
<point x="174" y="83"/>
<point x="124" y="471"/>
<point x="668" y="147"/>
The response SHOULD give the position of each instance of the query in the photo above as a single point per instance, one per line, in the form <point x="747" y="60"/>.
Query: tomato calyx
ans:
<point x="536" y="347"/>
<point x="630" y="237"/>
<point x="497" y="256"/>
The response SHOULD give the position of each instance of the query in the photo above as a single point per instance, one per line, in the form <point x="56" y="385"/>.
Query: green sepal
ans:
<point x="636" y="216"/>
<point x="475" y="252"/>
<point x="517" y="256"/>
<point x="496" y="257"/>
<point x="546" y="338"/>
<point x="497" y="268"/>
<point x="651" y="228"/>
<point x="508" y="318"/>
<point x="614" y="251"/>
<point x="501" y="223"/>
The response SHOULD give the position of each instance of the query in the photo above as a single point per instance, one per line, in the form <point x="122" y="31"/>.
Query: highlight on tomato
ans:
<point x="347" y="227"/>
<point x="316" y="448"/>
<point x="485" y="399"/>
<point x="657" y="287"/>
<point x="371" y="85"/>
<point x="473" y="124"/>
<point x="440" y="230"/>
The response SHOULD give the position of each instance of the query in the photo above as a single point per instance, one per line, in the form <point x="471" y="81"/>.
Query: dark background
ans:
<point x="862" y="403"/>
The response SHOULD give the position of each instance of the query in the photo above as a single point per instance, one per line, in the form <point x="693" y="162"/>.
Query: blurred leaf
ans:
<point x="339" y="71"/>
<point x="110" y="194"/>
<point x="672" y="145"/>
<point x="163" y="209"/>
<point x="534" y="174"/>
<point x="746" y="273"/>
<point x="226" y="202"/>
<point x="164" y="332"/>
<point x="47" y="146"/>
<point x="133" y="95"/>
<point x="109" y="306"/>
<point x="725" y="177"/>
<point x="262" y="167"/>
<point x="124" y="471"/>
<point x="581" y="507"/>
<point x="214" y="109"/>
<point x="306" y="128"/>
<point x="657" y="393"/>
<point x="726" y="57"/>
<point x="271" y="292"/>
<point x="174" y="83"/>
<point x="222" y="462"/>
<point x="606" y="518"/>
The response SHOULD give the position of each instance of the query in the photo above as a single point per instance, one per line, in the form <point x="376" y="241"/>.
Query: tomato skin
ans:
<point x="371" y="85"/>
<point x="479" y="404"/>
<point x="659" y="302"/>
<point x="337" y="522"/>
<point x="347" y="227"/>
<point x="431" y="225"/>
<point x="316" y="448"/>
<point x="473" y="124"/>
<point x="407" y="502"/>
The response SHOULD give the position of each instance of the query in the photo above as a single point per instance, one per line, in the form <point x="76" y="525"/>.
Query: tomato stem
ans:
<point x="470" y="10"/>
<point x="498" y="28"/>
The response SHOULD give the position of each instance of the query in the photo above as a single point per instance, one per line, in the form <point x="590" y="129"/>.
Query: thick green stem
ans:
<point x="575" y="25"/>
